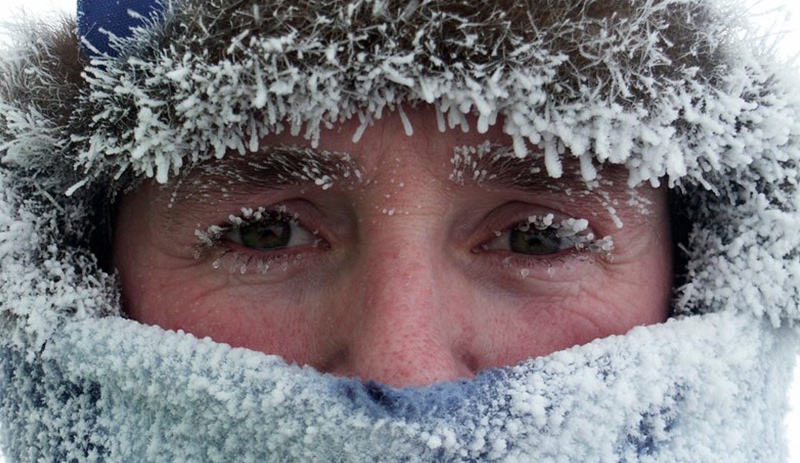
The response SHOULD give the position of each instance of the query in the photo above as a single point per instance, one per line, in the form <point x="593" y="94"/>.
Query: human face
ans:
<point x="400" y="261"/>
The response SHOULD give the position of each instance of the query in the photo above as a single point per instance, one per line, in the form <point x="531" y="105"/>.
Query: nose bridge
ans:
<point x="405" y="332"/>
<point x="400" y="276"/>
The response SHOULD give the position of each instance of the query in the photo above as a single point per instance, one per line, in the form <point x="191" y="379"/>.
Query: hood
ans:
<point x="677" y="91"/>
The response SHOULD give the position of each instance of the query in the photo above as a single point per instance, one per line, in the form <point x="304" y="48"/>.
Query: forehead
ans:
<point x="407" y="142"/>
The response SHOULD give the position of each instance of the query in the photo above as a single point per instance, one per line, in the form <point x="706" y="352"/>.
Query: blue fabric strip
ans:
<point x="98" y="20"/>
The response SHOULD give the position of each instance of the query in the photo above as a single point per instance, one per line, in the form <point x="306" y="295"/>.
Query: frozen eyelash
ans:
<point x="212" y="234"/>
<point x="241" y="264"/>
<point x="222" y="257"/>
<point x="572" y="230"/>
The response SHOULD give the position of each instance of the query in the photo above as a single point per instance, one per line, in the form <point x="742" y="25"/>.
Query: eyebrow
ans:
<point x="202" y="188"/>
<point x="272" y="168"/>
<point x="498" y="166"/>
<point x="285" y="166"/>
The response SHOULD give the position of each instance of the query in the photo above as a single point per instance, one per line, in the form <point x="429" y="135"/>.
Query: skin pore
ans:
<point x="401" y="259"/>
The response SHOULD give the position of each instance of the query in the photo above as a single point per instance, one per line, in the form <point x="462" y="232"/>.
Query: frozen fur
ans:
<point x="670" y="89"/>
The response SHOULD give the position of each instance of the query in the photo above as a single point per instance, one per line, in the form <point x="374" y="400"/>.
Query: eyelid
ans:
<point x="577" y="232"/>
<point x="569" y="229"/>
<point x="275" y="264"/>
<point x="567" y="264"/>
<point x="298" y="236"/>
<point x="214" y="234"/>
<point x="510" y="215"/>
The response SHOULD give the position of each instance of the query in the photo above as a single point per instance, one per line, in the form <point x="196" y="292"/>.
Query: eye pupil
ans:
<point x="535" y="242"/>
<point x="266" y="235"/>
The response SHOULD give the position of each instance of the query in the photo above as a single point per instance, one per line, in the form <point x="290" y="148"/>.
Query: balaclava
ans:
<point x="677" y="91"/>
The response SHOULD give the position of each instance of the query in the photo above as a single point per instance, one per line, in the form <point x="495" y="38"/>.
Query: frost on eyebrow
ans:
<point x="495" y="164"/>
<point x="606" y="190"/>
<point x="490" y="163"/>
<point x="275" y="167"/>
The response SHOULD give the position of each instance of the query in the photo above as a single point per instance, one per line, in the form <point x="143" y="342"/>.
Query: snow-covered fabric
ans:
<point x="675" y="90"/>
<point x="700" y="389"/>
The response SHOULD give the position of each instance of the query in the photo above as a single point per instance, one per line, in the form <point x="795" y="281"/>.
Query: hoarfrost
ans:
<point x="571" y="232"/>
<point x="730" y="139"/>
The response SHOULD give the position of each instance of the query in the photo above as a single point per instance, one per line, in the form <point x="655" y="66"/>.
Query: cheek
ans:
<point x="163" y="284"/>
<point x="519" y="329"/>
<point x="312" y="322"/>
<point x="610" y="299"/>
<point x="207" y="304"/>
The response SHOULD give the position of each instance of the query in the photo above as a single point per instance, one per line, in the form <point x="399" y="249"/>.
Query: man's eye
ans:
<point x="535" y="242"/>
<point x="542" y="236"/>
<point x="270" y="234"/>
<point x="530" y="240"/>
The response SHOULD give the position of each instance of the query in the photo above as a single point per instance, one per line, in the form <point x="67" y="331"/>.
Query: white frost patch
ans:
<point x="679" y="391"/>
<point x="572" y="231"/>
<point x="467" y="162"/>
<point x="409" y="130"/>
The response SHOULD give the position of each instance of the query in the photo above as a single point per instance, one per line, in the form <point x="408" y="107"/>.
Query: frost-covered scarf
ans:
<point x="671" y="89"/>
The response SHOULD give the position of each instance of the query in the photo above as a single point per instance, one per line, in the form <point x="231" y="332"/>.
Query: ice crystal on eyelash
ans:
<point x="260" y="213"/>
<point x="242" y="264"/>
<point x="541" y="222"/>
<point x="210" y="235"/>
<point x="570" y="229"/>
<point x="602" y="246"/>
<point x="571" y="226"/>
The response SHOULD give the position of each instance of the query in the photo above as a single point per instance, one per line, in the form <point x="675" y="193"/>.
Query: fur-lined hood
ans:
<point x="613" y="81"/>
<point x="671" y="89"/>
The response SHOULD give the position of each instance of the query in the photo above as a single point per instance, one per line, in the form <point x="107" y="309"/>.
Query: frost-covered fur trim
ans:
<point x="702" y="389"/>
<point x="655" y="85"/>
<point x="662" y="87"/>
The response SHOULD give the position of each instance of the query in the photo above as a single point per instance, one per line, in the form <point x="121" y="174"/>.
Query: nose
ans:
<point x="406" y="325"/>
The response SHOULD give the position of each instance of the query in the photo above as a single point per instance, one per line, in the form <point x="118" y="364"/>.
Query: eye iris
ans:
<point x="266" y="235"/>
<point x="536" y="242"/>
